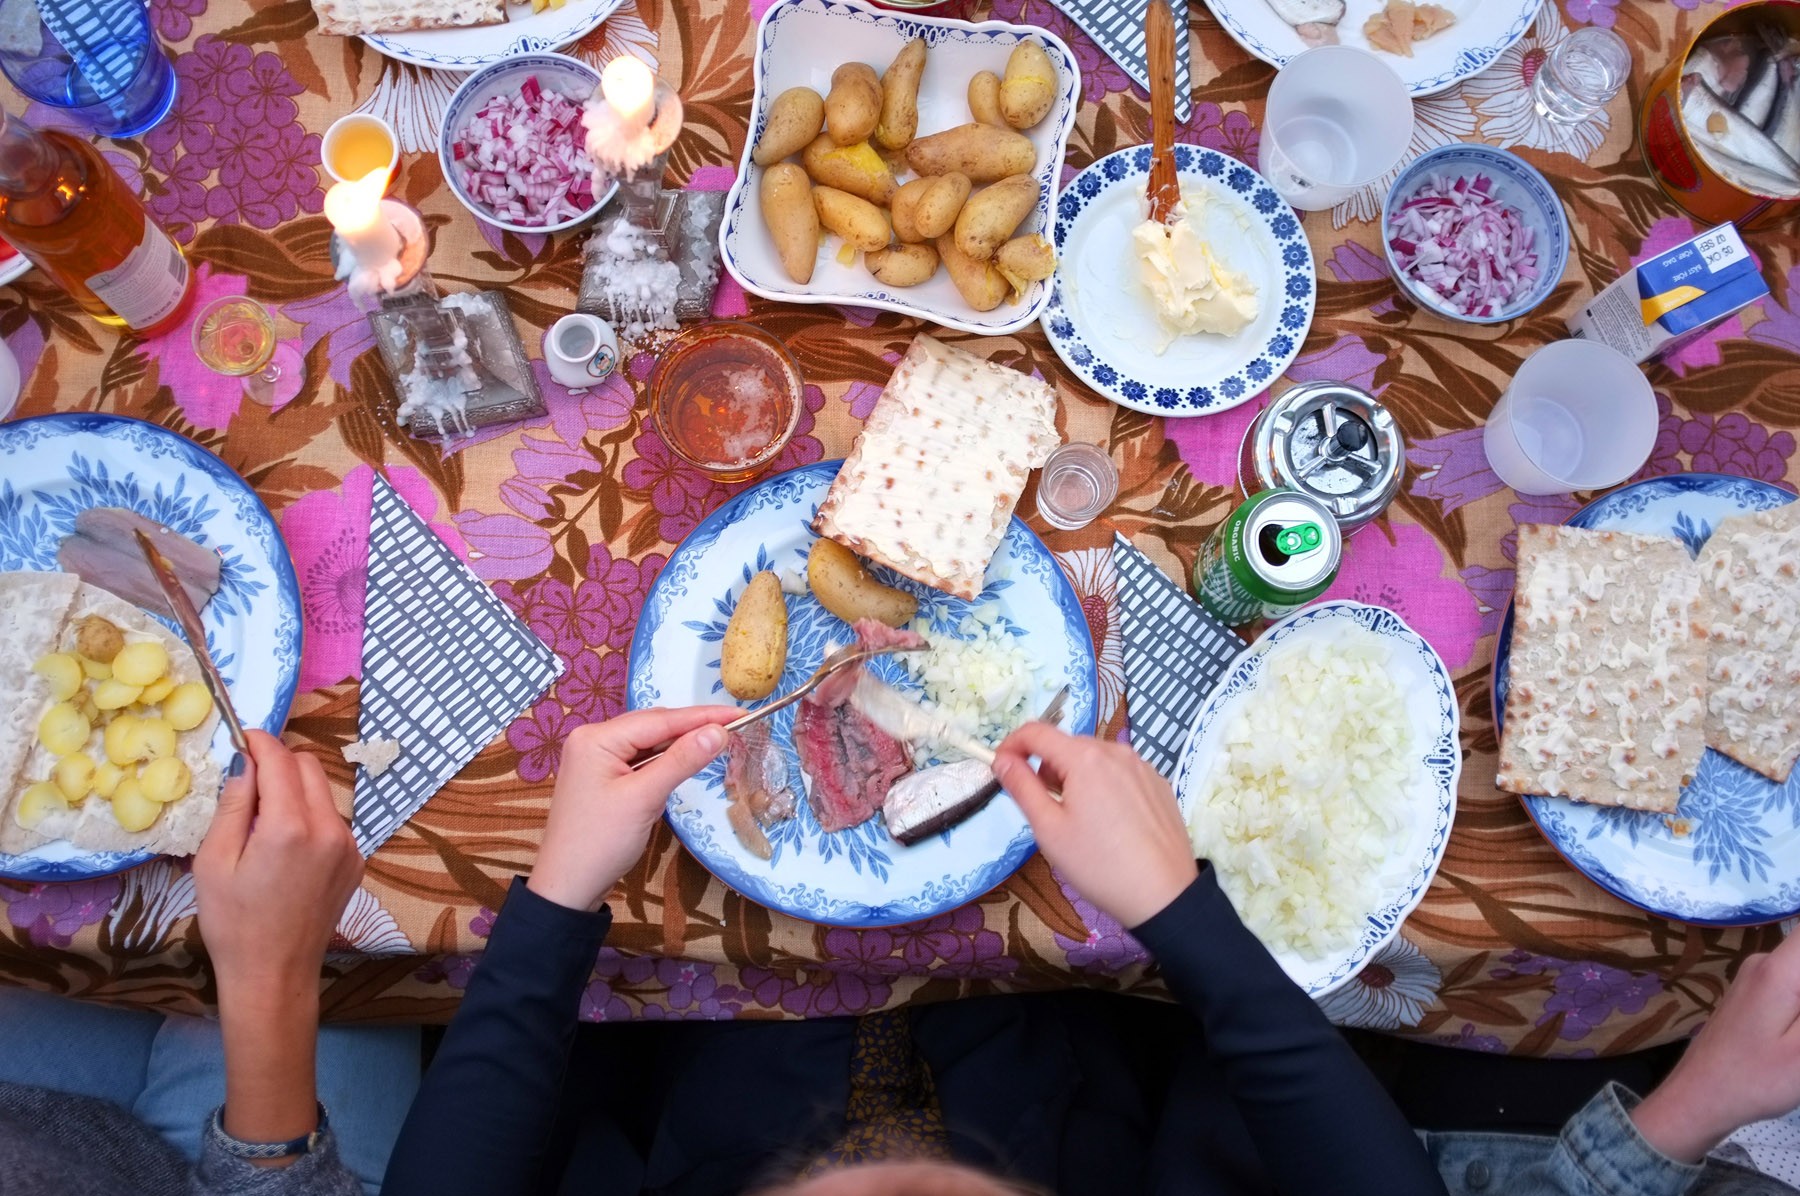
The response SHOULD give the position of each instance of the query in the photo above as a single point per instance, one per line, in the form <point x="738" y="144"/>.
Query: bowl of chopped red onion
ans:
<point x="513" y="147"/>
<point x="1474" y="233"/>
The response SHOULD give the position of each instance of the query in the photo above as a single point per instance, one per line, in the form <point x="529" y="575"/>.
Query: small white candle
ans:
<point x="354" y="209"/>
<point x="630" y="91"/>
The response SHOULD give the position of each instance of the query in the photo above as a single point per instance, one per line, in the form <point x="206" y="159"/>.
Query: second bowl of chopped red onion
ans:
<point x="513" y="148"/>
<point x="1474" y="233"/>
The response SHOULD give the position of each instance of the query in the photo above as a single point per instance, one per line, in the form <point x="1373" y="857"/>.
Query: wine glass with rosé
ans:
<point x="235" y="336"/>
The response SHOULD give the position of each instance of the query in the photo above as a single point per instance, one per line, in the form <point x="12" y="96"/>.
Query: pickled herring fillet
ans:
<point x="103" y="552"/>
<point x="756" y="785"/>
<point x="1733" y="146"/>
<point x="1314" y="20"/>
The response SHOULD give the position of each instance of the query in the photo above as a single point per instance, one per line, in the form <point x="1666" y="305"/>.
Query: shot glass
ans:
<point x="1077" y="483"/>
<point x="1338" y="118"/>
<point x="98" y="60"/>
<point x="1583" y="72"/>
<point x="1578" y="415"/>
<point x="356" y="144"/>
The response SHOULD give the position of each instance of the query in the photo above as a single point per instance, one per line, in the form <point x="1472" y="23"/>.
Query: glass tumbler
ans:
<point x="1586" y="70"/>
<point x="99" y="60"/>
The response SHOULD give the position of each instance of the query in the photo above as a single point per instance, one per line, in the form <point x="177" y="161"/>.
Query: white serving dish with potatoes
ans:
<point x="801" y="43"/>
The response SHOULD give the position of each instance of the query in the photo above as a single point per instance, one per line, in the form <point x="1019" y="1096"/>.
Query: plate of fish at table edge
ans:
<point x="860" y="876"/>
<point x="1720" y="860"/>
<point x="59" y="471"/>
<point x="1453" y="40"/>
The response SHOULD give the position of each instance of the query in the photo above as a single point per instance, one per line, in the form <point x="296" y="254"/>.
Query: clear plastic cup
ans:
<point x="1582" y="74"/>
<point x="1077" y="483"/>
<point x="1338" y="118"/>
<point x="1578" y="415"/>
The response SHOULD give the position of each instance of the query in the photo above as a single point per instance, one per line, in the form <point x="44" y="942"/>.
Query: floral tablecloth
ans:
<point x="570" y="519"/>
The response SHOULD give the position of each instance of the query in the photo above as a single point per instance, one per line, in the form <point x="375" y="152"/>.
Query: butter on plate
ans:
<point x="1193" y="292"/>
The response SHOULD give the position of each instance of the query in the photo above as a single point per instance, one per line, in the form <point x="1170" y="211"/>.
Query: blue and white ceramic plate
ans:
<point x="1102" y="323"/>
<point x="857" y="877"/>
<point x="1739" y="865"/>
<point x="53" y="467"/>
<point x="1431" y="800"/>
<point x="1483" y="29"/>
<point x="525" y="32"/>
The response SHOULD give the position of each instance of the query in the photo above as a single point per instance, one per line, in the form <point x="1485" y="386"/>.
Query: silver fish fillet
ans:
<point x="1784" y="122"/>
<point x="935" y="799"/>
<point x="1758" y="99"/>
<point x="1725" y="63"/>
<point x="1733" y="146"/>
<point x="1314" y="20"/>
<point x="102" y="552"/>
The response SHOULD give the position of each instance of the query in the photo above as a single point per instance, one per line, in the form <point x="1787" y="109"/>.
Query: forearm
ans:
<point x="1677" y="1126"/>
<point x="270" y="1034"/>
<point x="1308" y="1101"/>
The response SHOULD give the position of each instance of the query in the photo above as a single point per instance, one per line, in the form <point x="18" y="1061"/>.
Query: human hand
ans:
<point x="1744" y="1066"/>
<point x="1116" y="835"/>
<point x="602" y="812"/>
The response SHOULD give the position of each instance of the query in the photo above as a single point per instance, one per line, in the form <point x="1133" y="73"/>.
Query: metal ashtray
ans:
<point x="1332" y="442"/>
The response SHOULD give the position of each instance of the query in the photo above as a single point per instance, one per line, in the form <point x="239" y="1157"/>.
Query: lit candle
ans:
<point x="354" y="209"/>
<point x="630" y="91"/>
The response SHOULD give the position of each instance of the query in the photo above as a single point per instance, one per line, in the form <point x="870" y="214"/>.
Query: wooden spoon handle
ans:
<point x="1159" y="41"/>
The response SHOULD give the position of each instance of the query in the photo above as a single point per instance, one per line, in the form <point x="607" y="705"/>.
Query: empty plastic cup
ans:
<point x="1578" y="416"/>
<point x="1338" y="119"/>
<point x="96" y="59"/>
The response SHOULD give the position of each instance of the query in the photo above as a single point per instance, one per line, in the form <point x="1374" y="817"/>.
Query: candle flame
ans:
<point x="629" y="88"/>
<point x="354" y="206"/>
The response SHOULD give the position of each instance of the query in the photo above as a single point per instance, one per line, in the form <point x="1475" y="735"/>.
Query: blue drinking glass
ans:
<point x="97" y="59"/>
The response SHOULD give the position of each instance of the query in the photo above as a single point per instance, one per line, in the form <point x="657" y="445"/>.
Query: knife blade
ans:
<point x="189" y="619"/>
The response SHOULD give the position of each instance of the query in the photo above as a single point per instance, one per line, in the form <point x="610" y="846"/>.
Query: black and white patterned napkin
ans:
<point x="1176" y="651"/>
<point x="446" y="666"/>
<point x="1117" y="27"/>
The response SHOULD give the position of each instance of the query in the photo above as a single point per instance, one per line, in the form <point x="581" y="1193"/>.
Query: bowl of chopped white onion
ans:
<point x="513" y="146"/>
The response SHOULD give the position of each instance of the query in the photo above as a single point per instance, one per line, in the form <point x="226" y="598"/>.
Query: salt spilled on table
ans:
<point x="641" y="287"/>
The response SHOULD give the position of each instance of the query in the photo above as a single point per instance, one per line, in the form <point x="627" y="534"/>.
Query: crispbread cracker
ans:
<point x="33" y="609"/>
<point x="939" y="467"/>
<point x="1608" y="674"/>
<point x="349" y="17"/>
<point x="1750" y="582"/>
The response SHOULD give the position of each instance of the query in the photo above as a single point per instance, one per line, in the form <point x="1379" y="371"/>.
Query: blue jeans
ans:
<point x="169" y="1071"/>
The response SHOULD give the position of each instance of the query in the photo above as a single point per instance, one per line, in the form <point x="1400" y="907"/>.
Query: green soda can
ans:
<point x="1278" y="551"/>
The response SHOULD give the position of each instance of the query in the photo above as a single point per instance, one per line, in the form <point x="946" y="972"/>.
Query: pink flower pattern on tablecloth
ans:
<point x="1399" y="566"/>
<point x="208" y="399"/>
<point x="53" y="914"/>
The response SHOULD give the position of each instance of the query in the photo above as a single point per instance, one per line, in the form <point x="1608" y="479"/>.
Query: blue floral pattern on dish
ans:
<point x="1732" y="857"/>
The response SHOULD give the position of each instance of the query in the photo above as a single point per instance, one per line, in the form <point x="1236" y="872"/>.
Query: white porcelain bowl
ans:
<point x="799" y="44"/>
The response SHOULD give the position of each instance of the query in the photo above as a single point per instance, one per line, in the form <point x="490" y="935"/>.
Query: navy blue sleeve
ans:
<point x="1320" y="1121"/>
<point x="482" y="1120"/>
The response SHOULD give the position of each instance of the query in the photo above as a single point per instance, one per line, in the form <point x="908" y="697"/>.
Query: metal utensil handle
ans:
<point x="182" y="607"/>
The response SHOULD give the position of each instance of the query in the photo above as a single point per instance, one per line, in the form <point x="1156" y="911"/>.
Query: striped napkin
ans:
<point x="1176" y="651"/>
<point x="1117" y="27"/>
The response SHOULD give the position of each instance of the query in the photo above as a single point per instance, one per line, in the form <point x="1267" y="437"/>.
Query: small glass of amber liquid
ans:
<point x="727" y="397"/>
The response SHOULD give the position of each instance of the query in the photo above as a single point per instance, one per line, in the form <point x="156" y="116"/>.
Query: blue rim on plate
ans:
<point x="1435" y="712"/>
<point x="1287" y="304"/>
<point x="1727" y="871"/>
<point x="857" y="877"/>
<point x="52" y="467"/>
<point x="457" y="49"/>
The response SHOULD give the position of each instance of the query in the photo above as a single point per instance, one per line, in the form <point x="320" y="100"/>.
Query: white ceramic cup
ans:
<point x="1579" y="415"/>
<point x="580" y="350"/>
<point x="338" y="129"/>
<point x="1338" y="118"/>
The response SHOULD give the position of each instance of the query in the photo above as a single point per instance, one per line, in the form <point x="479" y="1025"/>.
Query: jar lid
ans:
<point x="1335" y="443"/>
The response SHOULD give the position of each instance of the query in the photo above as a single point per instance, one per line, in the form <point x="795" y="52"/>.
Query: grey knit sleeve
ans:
<point x="319" y="1172"/>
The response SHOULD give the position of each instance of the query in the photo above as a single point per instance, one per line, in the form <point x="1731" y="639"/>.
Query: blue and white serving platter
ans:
<point x="525" y="32"/>
<point x="1739" y="863"/>
<point x="857" y="877"/>
<point x="53" y="467"/>
<point x="1482" y="32"/>
<point x="1431" y="798"/>
<point x="1102" y="323"/>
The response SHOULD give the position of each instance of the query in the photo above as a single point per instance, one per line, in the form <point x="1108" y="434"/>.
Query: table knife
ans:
<point x="183" y="609"/>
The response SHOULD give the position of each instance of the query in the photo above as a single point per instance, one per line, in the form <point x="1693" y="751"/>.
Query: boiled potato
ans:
<point x="114" y="694"/>
<point x="140" y="663"/>
<point x="795" y="118"/>
<point x="95" y="670"/>
<point x="838" y="580"/>
<point x="857" y="169"/>
<point x="122" y="742"/>
<point x="755" y="647"/>
<point x="165" y="780"/>
<point x="1025" y="260"/>
<point x="134" y="811"/>
<point x="982" y="286"/>
<point x="157" y="691"/>
<point x="900" y="96"/>
<point x="64" y="729"/>
<point x="74" y="775"/>
<point x="853" y="108"/>
<point x="62" y="671"/>
<point x="84" y="702"/>
<point x="107" y="776"/>
<point x="791" y="218"/>
<point x="984" y="99"/>
<point x="187" y="706"/>
<point x="155" y="739"/>
<point x="982" y="152"/>
<point x="855" y="219"/>
<point x="98" y="639"/>
<point x="37" y="803"/>
<point x="902" y="207"/>
<point x="903" y="265"/>
<point x="988" y="220"/>
<point x="1029" y="88"/>
<point x="941" y="203"/>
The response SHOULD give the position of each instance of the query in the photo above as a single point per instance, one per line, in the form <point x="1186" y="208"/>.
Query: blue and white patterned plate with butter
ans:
<point x="857" y="877"/>
<point x="53" y="467"/>
<point x="1738" y="864"/>
<point x="1101" y="320"/>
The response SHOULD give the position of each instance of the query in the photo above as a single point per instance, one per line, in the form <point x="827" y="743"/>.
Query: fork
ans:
<point x="835" y="662"/>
